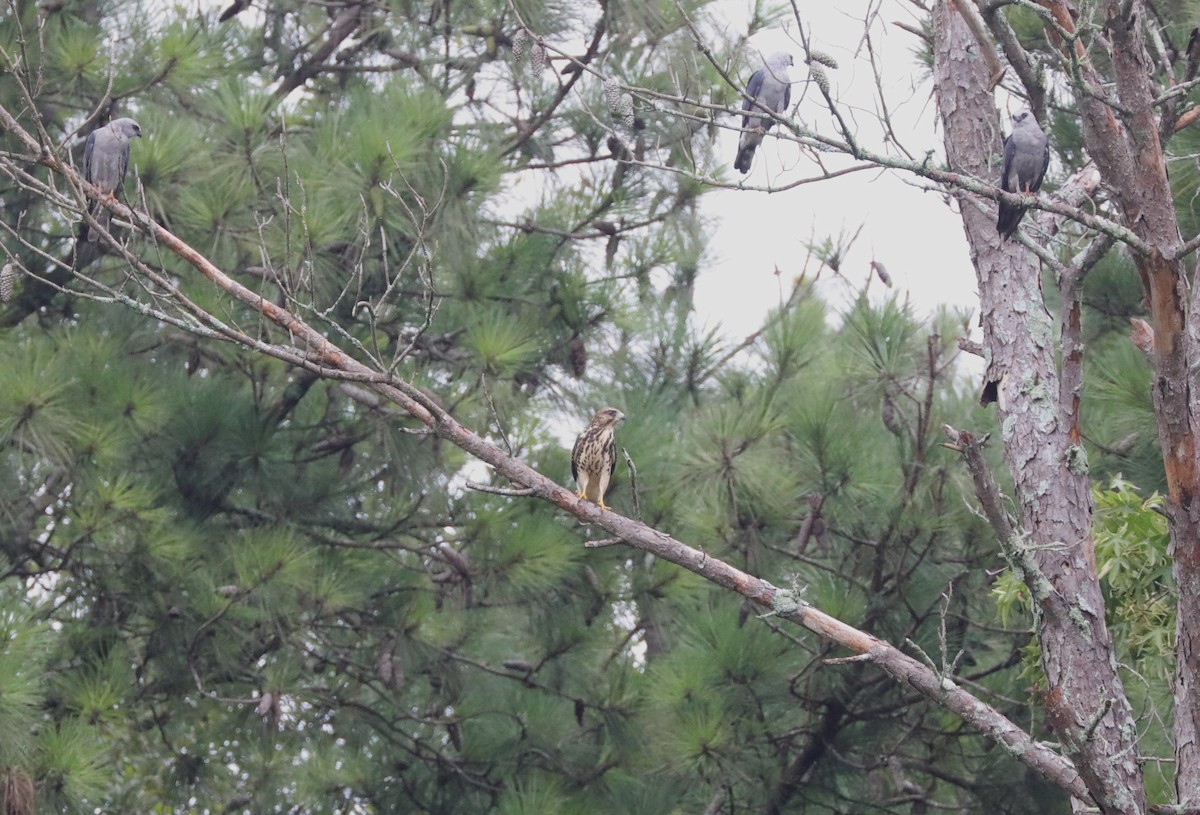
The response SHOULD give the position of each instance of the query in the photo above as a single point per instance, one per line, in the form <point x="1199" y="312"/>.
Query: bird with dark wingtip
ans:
<point x="594" y="456"/>
<point x="769" y="89"/>
<point x="1026" y="156"/>
<point x="105" y="162"/>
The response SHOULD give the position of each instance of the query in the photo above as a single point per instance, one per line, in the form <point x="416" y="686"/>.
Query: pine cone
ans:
<point x="625" y="108"/>
<point x="612" y="94"/>
<point x="882" y="273"/>
<point x="537" y="58"/>
<point x="7" y="276"/>
<point x="578" y="355"/>
<point x="823" y="58"/>
<point x="519" y="41"/>
<point x="17" y="792"/>
<point x="390" y="667"/>
<point x="610" y="250"/>
<point x="889" y="416"/>
<point x="820" y="77"/>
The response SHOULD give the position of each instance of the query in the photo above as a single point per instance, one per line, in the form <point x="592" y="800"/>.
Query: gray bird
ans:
<point x="105" y="160"/>
<point x="769" y="88"/>
<point x="1026" y="156"/>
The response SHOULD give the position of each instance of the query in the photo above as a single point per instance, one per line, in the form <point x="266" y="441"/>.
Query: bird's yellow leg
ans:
<point x="602" y="489"/>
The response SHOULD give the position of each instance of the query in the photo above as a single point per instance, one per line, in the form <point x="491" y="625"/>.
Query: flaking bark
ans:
<point x="1086" y="702"/>
<point x="1129" y="153"/>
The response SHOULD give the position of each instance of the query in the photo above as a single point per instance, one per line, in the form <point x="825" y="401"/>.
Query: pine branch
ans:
<point x="311" y="350"/>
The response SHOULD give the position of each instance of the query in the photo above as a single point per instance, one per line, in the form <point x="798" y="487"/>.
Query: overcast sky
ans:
<point x="914" y="233"/>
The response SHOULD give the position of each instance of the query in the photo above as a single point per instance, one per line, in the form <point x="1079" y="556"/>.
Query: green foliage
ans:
<point x="1132" y="555"/>
<point x="33" y="404"/>
<point x="1012" y="597"/>
<point x="1131" y="545"/>
<point x="235" y="585"/>
<point x="502" y="346"/>
<point x="1185" y="175"/>
<point x="534" y="798"/>
<point x="1132" y="542"/>
<point x="790" y="471"/>
<point x="25" y="644"/>
<point x="73" y="766"/>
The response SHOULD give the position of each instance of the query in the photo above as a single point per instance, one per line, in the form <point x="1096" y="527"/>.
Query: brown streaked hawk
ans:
<point x="594" y="456"/>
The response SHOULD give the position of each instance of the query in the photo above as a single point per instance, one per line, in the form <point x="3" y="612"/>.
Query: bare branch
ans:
<point x="511" y="493"/>
<point x="312" y="351"/>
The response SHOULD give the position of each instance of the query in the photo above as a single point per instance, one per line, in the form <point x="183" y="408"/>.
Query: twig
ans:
<point x="512" y="493"/>
<point x="867" y="657"/>
<point x="986" y="489"/>
<point x="637" y="504"/>
<point x="598" y="544"/>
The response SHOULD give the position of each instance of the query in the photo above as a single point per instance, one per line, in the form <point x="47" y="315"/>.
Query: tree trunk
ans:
<point x="1129" y="153"/>
<point x="1085" y="701"/>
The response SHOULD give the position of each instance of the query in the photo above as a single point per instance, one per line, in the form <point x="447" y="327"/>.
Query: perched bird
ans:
<point x="105" y="160"/>
<point x="594" y="456"/>
<point x="769" y="88"/>
<point x="1026" y="156"/>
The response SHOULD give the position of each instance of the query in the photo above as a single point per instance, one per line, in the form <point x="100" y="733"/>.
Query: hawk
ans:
<point x="594" y="456"/>
<point x="105" y="160"/>
<point x="769" y="88"/>
<point x="1026" y="156"/>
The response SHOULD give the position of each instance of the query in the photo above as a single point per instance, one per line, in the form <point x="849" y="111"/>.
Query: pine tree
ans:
<point x="245" y="539"/>
<point x="270" y="583"/>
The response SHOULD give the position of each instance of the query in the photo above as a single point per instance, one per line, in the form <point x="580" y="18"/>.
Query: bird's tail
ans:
<point x="1007" y="220"/>
<point x="746" y="146"/>
<point x="101" y="215"/>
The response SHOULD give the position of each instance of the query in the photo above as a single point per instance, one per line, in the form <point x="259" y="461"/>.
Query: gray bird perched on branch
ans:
<point x="1026" y="156"/>
<point x="769" y="89"/>
<point x="105" y="161"/>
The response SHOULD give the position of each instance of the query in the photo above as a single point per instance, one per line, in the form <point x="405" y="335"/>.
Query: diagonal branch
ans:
<point x="1086" y="702"/>
<point x="313" y="351"/>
